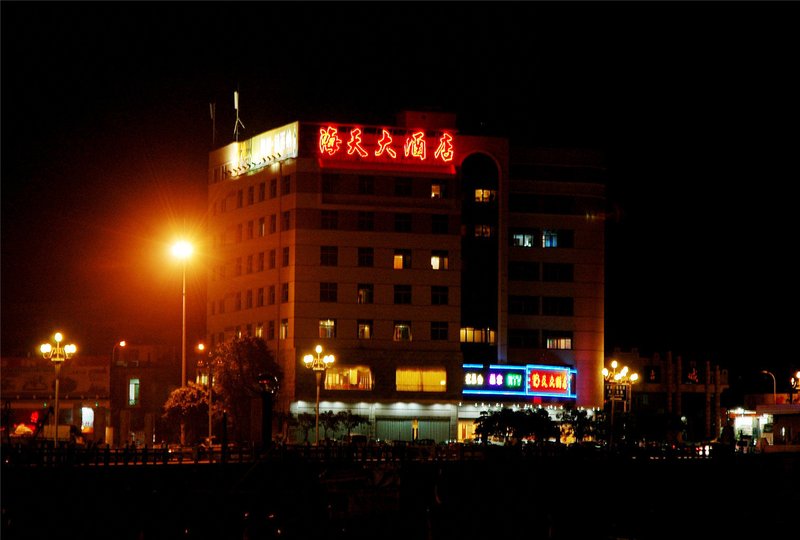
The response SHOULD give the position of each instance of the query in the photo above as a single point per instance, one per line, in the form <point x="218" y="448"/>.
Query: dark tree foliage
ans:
<point x="516" y="424"/>
<point x="187" y="407"/>
<point x="578" y="423"/>
<point x="239" y="365"/>
<point x="350" y="421"/>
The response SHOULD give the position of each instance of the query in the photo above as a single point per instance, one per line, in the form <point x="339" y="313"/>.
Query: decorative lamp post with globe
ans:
<point x="318" y="364"/>
<point x="618" y="388"/>
<point x="57" y="355"/>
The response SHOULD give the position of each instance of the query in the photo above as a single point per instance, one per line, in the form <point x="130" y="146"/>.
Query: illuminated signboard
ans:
<point x="387" y="146"/>
<point x="522" y="381"/>
<point x="264" y="149"/>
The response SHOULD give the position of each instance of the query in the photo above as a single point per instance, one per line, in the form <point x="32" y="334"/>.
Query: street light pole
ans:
<point x="183" y="250"/>
<point x="614" y="380"/>
<point x="774" y="386"/>
<point x="57" y="355"/>
<point x="319" y="365"/>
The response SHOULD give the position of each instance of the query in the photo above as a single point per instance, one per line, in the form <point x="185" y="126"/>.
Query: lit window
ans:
<point x="402" y="331"/>
<point x="284" y="329"/>
<point x="558" y="340"/>
<point x="365" y="293"/>
<point x="437" y="191"/>
<point x="402" y="259"/>
<point x="421" y="379"/>
<point x="327" y="328"/>
<point x="348" y="378"/>
<point x="522" y="239"/>
<point x="439" y="260"/>
<point x="483" y="231"/>
<point x="87" y="420"/>
<point x="260" y="330"/>
<point x="364" y="329"/>
<point x="477" y="335"/>
<point x="133" y="392"/>
<point x="485" y="195"/>
<point x="549" y="238"/>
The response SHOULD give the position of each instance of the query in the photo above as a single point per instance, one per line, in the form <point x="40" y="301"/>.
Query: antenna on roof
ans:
<point x="238" y="121"/>
<point x="212" y="108"/>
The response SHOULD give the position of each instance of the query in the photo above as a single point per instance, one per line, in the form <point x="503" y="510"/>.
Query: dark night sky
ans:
<point x="106" y="130"/>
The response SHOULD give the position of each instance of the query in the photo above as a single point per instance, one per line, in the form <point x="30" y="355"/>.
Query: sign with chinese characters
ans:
<point x="523" y="381"/>
<point x="386" y="146"/>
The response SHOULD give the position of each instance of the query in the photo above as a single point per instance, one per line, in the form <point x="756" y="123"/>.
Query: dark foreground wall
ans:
<point x="502" y="496"/>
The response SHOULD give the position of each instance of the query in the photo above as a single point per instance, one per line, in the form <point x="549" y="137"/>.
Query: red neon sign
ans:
<point x="548" y="380"/>
<point x="382" y="145"/>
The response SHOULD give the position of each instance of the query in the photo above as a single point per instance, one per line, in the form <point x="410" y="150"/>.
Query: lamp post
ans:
<point x="183" y="250"/>
<point x="122" y="343"/>
<point x="774" y="386"/>
<point x="57" y="355"/>
<point x="318" y="364"/>
<point x="614" y="381"/>
<point x="205" y="367"/>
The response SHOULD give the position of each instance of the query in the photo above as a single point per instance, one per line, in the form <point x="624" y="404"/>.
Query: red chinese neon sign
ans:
<point x="382" y="145"/>
<point x="548" y="380"/>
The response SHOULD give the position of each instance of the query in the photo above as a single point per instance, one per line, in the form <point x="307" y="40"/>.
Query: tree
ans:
<point x="576" y="423"/>
<point x="239" y="365"/>
<point x="350" y="421"/>
<point x="329" y="421"/>
<point x="306" y="421"/>
<point x="520" y="424"/>
<point x="188" y="407"/>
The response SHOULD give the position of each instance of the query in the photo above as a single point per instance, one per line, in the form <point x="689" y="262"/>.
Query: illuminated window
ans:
<point x="437" y="190"/>
<point x="477" y="335"/>
<point x="327" y="328"/>
<point x="402" y="331"/>
<point x="366" y="257"/>
<point x="485" y="195"/>
<point x="284" y="329"/>
<point x="439" y="260"/>
<point x="439" y="330"/>
<point x="328" y="292"/>
<point x="554" y="339"/>
<point x="484" y="231"/>
<point x="526" y="239"/>
<point x="87" y="420"/>
<point x="348" y="378"/>
<point x="259" y="330"/>
<point x="262" y="226"/>
<point x="402" y="294"/>
<point x="133" y="392"/>
<point x="365" y="329"/>
<point x="561" y="238"/>
<point x="421" y="379"/>
<point x="328" y="255"/>
<point x="402" y="259"/>
<point x="365" y="293"/>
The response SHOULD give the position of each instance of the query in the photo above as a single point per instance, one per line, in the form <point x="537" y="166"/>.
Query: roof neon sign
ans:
<point x="382" y="145"/>
<point x="523" y="381"/>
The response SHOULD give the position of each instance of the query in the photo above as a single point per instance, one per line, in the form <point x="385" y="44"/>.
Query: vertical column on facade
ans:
<point x="670" y="388"/>
<point x="717" y="406"/>
<point x="708" y="399"/>
<point x="678" y="372"/>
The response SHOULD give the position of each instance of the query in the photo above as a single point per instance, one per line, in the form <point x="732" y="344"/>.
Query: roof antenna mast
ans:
<point x="212" y="107"/>
<point x="238" y="121"/>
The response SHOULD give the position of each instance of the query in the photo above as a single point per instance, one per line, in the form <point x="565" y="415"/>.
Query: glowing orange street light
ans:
<point x="318" y="364"/>
<point x="183" y="250"/>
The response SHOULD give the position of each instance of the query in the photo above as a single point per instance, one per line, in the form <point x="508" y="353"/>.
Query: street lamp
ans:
<point x="183" y="250"/>
<point x="57" y="355"/>
<point x="122" y="343"/>
<point x="205" y="367"/>
<point x="319" y="365"/>
<point x="774" y="386"/>
<point x="616" y="380"/>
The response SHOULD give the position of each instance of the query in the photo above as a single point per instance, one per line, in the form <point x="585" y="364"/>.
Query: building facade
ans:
<point x="442" y="270"/>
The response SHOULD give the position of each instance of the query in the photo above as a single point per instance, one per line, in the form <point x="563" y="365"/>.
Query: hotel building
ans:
<point x="444" y="271"/>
